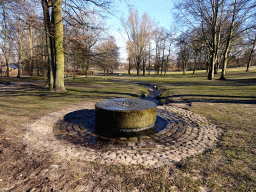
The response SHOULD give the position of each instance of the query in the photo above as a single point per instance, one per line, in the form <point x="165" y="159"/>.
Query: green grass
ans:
<point x="230" y="166"/>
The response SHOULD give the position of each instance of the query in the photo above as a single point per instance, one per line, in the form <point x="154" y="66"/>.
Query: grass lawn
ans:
<point x="230" y="104"/>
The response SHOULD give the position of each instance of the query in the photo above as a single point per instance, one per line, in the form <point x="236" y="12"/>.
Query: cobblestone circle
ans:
<point x="185" y="134"/>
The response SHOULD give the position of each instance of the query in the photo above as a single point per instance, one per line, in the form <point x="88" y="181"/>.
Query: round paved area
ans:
<point x="68" y="133"/>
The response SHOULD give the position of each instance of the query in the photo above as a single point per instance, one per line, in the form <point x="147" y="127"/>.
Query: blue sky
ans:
<point x="159" y="10"/>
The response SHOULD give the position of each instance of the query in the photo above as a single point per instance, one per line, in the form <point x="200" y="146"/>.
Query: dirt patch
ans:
<point x="39" y="171"/>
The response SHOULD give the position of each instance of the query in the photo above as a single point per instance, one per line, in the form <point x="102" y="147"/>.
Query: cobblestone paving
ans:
<point x="185" y="134"/>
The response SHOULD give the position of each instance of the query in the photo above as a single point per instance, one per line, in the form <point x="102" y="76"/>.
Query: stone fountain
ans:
<point x="131" y="131"/>
<point x="125" y="115"/>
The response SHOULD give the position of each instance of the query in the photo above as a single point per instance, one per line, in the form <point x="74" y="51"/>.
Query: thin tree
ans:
<point x="253" y="42"/>
<point x="242" y="11"/>
<point x="138" y="31"/>
<point x="210" y="16"/>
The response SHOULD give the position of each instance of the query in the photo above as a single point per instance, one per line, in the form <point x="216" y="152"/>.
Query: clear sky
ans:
<point x="159" y="10"/>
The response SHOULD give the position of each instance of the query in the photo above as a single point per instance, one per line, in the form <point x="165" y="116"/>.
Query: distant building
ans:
<point x="14" y="65"/>
<point x="13" y="69"/>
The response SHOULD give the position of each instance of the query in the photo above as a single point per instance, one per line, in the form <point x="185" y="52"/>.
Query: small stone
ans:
<point x="82" y="134"/>
<point x="82" y="127"/>
<point x="72" y="133"/>
<point x="82" y="130"/>
<point x="128" y="158"/>
<point x="150" y="146"/>
<point x="130" y="144"/>
<point x="144" y="94"/>
<point x="63" y="125"/>
<point x="112" y="155"/>
<point x="144" y="137"/>
<point x="132" y="138"/>
<point x="76" y="127"/>
<point x="120" y="142"/>
<point x="69" y="127"/>
<point x="160" y="133"/>
<point x="168" y="134"/>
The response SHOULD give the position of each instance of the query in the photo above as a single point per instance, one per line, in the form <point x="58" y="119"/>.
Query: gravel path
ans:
<point x="186" y="134"/>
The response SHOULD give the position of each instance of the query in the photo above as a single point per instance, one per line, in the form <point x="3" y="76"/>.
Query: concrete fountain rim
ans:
<point x="133" y="104"/>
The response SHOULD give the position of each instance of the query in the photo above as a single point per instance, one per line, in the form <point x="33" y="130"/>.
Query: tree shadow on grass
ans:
<point x="228" y="82"/>
<point x="189" y="98"/>
<point x="43" y="93"/>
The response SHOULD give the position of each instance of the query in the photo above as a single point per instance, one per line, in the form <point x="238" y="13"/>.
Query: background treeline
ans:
<point x="23" y="37"/>
<point x="208" y="35"/>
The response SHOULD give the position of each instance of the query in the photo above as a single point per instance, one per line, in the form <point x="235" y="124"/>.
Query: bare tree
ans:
<point x="6" y="30"/>
<point x="218" y="20"/>
<point x="252" y="42"/>
<point x="241" y="11"/>
<point x="138" y="31"/>
<point x="130" y="56"/>
<point x="20" y="46"/>
<point x="84" y="37"/>
<point x="158" y="35"/>
<point x="168" y="47"/>
<point x="108" y="54"/>
<point x="184" y="51"/>
<point x="210" y="16"/>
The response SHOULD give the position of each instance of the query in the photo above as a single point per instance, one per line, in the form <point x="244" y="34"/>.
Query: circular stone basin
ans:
<point x="125" y="115"/>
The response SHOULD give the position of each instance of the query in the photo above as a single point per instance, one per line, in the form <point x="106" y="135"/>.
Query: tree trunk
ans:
<point x="7" y="66"/>
<point x="215" y="40"/>
<point x="149" y="61"/>
<point x="195" y="61"/>
<point x="138" y="67"/>
<point x="129" y="67"/>
<point x="228" y="45"/>
<point x="225" y="61"/>
<point x="30" y="39"/>
<point x="211" y="66"/>
<point x="19" y="53"/>
<point x="74" y="67"/>
<point x="59" y="51"/>
<point x="7" y="61"/>
<point x="138" y="71"/>
<point x="50" y="47"/>
<point x="166" y="64"/>
<point x="87" y="66"/>
<point x="162" y="68"/>
<point x="6" y="34"/>
<point x="250" y="56"/>
<point x="216" y="68"/>
<point x="194" y="70"/>
<point x="166" y="67"/>
<point x="144" y="67"/>
<point x="184" y="67"/>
